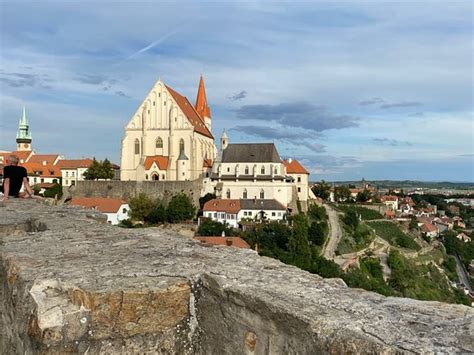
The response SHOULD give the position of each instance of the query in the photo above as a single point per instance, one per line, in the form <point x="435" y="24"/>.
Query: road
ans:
<point x="335" y="233"/>
<point x="463" y="278"/>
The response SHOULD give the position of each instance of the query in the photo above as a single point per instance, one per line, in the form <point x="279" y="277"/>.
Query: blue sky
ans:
<point x="374" y="90"/>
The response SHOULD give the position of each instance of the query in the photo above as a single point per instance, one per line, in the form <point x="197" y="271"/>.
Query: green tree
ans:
<point x="56" y="191"/>
<point x="342" y="193"/>
<point x="157" y="215"/>
<point x="141" y="206"/>
<point x="364" y="196"/>
<point x="413" y="223"/>
<point x="180" y="208"/>
<point x="351" y="218"/>
<point x="205" y="198"/>
<point x="317" y="233"/>
<point x="99" y="170"/>
<point x="322" y="190"/>
<point x="298" y="246"/>
<point x="209" y="227"/>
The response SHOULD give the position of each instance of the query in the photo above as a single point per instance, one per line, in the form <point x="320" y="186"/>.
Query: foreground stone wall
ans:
<point x="73" y="284"/>
<point x="128" y="189"/>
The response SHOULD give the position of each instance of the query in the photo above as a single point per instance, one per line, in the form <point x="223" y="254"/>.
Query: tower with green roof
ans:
<point x="23" y="137"/>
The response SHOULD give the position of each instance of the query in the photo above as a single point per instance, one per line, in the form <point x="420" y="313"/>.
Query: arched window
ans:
<point x="276" y="171"/>
<point x="228" y="193"/>
<point x="246" y="170"/>
<point x="155" y="177"/>
<point x="244" y="194"/>
<point x="262" y="170"/>
<point x="181" y="145"/>
<point x="262" y="194"/>
<point x="159" y="142"/>
<point x="137" y="146"/>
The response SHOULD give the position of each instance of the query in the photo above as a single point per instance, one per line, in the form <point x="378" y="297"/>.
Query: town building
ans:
<point x="72" y="170"/>
<point x="429" y="230"/>
<point x="391" y="201"/>
<point x="168" y="138"/>
<point x="232" y="211"/>
<point x="116" y="209"/>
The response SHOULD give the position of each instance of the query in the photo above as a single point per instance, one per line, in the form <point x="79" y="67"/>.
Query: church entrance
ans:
<point x="155" y="177"/>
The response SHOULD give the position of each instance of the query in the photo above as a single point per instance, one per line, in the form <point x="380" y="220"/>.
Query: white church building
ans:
<point x="168" y="138"/>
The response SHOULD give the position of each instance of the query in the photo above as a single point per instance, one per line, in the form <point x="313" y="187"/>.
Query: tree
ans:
<point x="209" y="227"/>
<point x="351" y="218"/>
<point x="342" y="193"/>
<point x="180" y="208"/>
<point x="141" y="206"/>
<point x="413" y="223"/>
<point x="99" y="170"/>
<point x="158" y="214"/>
<point x="298" y="246"/>
<point x="204" y="199"/>
<point x="364" y="196"/>
<point x="56" y="191"/>
<point x="318" y="213"/>
<point x="322" y="190"/>
<point x="316" y="233"/>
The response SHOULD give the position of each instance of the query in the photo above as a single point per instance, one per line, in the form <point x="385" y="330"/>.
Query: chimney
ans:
<point x="44" y="162"/>
<point x="290" y="160"/>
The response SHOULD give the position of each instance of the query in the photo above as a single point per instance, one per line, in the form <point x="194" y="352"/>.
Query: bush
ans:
<point x="209" y="227"/>
<point x="141" y="206"/>
<point x="317" y="233"/>
<point x="126" y="223"/>
<point x="54" y="191"/>
<point x="317" y="213"/>
<point x="180" y="208"/>
<point x="351" y="219"/>
<point x="157" y="215"/>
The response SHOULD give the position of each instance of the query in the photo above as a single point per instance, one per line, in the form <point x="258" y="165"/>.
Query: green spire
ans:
<point x="23" y="127"/>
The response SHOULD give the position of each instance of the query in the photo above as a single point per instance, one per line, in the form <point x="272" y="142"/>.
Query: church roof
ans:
<point x="251" y="153"/>
<point x="160" y="160"/>
<point x="201" y="101"/>
<point x="190" y="112"/>
<point x="293" y="166"/>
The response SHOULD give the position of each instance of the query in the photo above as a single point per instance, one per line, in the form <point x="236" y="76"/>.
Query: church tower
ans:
<point x="201" y="104"/>
<point x="23" y="137"/>
<point x="224" y="141"/>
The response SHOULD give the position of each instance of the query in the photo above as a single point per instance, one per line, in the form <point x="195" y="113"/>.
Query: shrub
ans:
<point x="158" y="214"/>
<point x="180" y="208"/>
<point x="141" y="206"/>
<point x="392" y="233"/>
<point x="54" y="191"/>
<point x="213" y="228"/>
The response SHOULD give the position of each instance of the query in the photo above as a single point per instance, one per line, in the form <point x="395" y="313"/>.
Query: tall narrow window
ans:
<point x="244" y="195"/>
<point x="228" y="193"/>
<point x="262" y="194"/>
<point x="159" y="142"/>
<point x="181" y="146"/>
<point x="137" y="146"/>
<point x="246" y="170"/>
<point x="262" y="170"/>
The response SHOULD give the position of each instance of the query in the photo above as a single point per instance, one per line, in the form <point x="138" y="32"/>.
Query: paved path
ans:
<point x="335" y="233"/>
<point x="463" y="278"/>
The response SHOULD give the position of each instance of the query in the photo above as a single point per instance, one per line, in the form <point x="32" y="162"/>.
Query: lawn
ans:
<point x="393" y="234"/>
<point x="365" y="214"/>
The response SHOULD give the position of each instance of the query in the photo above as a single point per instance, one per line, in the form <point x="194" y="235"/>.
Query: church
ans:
<point x="168" y="138"/>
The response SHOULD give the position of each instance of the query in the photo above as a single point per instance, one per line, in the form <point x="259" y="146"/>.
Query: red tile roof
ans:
<point x="39" y="158"/>
<point x="74" y="163"/>
<point x="227" y="241"/>
<point x="221" y="205"/>
<point x="190" y="112"/>
<point x="38" y="169"/>
<point x="428" y="228"/>
<point x="294" y="167"/>
<point x="105" y="205"/>
<point x="160" y="160"/>
<point x="22" y="155"/>
<point x="389" y="198"/>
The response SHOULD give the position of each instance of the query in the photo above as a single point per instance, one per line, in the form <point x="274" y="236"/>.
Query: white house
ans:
<point x="115" y="209"/>
<point x="232" y="211"/>
<point x="72" y="170"/>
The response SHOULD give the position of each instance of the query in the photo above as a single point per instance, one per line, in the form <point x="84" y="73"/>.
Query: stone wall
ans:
<point x="73" y="284"/>
<point x="127" y="189"/>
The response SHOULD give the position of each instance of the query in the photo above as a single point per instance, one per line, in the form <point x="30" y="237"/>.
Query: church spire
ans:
<point x="23" y="137"/>
<point x="201" y="101"/>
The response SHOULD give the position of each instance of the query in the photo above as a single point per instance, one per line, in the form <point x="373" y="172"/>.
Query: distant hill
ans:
<point x="410" y="184"/>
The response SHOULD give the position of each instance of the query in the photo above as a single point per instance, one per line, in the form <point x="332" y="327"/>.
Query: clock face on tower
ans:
<point x="25" y="145"/>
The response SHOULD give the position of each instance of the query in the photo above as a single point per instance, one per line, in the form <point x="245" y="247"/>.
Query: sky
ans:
<point x="353" y="89"/>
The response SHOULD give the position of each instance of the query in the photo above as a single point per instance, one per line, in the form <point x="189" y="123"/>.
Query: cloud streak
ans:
<point x="401" y="104"/>
<point x="391" y="142"/>
<point x="297" y="114"/>
<point x="239" y="96"/>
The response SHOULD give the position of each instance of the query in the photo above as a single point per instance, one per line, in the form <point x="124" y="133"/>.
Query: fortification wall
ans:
<point x="71" y="283"/>
<point x="128" y="189"/>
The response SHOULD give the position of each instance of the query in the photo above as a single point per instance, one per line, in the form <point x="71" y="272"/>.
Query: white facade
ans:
<point x="70" y="176"/>
<point x="166" y="125"/>
<point x="120" y="215"/>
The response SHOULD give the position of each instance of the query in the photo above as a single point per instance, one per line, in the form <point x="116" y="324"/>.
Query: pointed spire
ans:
<point x="23" y="127"/>
<point x="201" y="101"/>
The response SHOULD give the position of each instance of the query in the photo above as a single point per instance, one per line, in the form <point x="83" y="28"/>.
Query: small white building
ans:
<point x="115" y="209"/>
<point x="72" y="170"/>
<point x="390" y="201"/>
<point x="232" y="211"/>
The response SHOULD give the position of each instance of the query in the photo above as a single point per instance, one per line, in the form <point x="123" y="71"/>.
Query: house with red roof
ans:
<point x="115" y="209"/>
<point x="168" y="137"/>
<point x="300" y="177"/>
<point x="429" y="230"/>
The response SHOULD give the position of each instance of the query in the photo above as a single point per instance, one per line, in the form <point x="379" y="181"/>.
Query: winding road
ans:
<point x="335" y="233"/>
